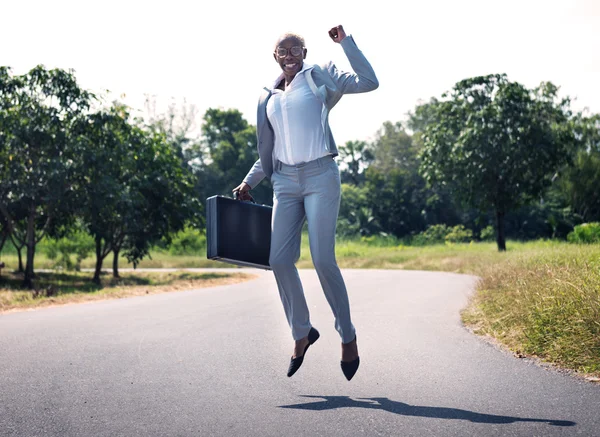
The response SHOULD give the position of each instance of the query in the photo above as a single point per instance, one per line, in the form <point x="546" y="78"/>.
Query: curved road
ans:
<point x="212" y="362"/>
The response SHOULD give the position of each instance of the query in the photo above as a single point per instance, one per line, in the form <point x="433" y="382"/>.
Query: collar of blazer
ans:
<point x="318" y="80"/>
<point x="305" y="67"/>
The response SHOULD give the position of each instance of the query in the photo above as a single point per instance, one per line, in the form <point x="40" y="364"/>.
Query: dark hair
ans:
<point x="290" y="35"/>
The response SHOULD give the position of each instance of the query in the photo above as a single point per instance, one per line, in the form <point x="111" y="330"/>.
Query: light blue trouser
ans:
<point x="311" y="191"/>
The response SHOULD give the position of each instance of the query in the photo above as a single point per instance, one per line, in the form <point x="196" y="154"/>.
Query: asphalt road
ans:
<point x="213" y="362"/>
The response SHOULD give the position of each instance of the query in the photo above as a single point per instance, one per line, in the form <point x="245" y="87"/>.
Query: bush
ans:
<point x="459" y="234"/>
<point x="437" y="234"/>
<point x="488" y="233"/>
<point x="355" y="216"/>
<point x="585" y="233"/>
<point x="79" y="244"/>
<point x="432" y="235"/>
<point x="190" y="241"/>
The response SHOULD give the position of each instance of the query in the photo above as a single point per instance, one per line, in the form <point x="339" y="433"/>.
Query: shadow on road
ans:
<point x="333" y="402"/>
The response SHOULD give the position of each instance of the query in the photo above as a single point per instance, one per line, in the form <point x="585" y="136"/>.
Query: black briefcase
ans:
<point x="238" y="232"/>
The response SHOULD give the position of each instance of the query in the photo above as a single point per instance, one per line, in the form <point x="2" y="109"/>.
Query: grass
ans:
<point x="539" y="298"/>
<point x="159" y="259"/>
<point x="544" y="304"/>
<point x="52" y="288"/>
<point x="451" y="257"/>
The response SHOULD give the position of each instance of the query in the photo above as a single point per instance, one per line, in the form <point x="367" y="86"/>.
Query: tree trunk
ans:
<point x="116" y="263"/>
<point x="20" y="255"/>
<point x="500" y="238"/>
<point x="4" y="238"/>
<point x="30" y="244"/>
<point x="99" y="260"/>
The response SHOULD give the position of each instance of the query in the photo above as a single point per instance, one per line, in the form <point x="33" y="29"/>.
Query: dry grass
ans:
<point x="544" y="304"/>
<point x="67" y="288"/>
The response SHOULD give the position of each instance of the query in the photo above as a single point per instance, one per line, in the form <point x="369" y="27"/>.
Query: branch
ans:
<point x="4" y="238"/>
<point x="120" y="239"/>
<point x="20" y="238"/>
<point x="107" y="249"/>
<point x="6" y="214"/>
<point x="14" y="235"/>
<point x="44" y="230"/>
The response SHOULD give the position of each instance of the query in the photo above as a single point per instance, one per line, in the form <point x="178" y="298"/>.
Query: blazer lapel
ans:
<point x="261" y="116"/>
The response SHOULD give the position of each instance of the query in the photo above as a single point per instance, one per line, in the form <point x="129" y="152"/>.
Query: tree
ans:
<point x="423" y="115"/>
<point x="398" y="196"/>
<point x="4" y="233"/>
<point x="133" y="188"/>
<point x="17" y="229"/>
<point x="165" y="200"/>
<point x="498" y="143"/>
<point x="397" y="200"/>
<point x="394" y="148"/>
<point x="36" y="112"/>
<point x="441" y="205"/>
<point x="178" y="124"/>
<point x="579" y="183"/>
<point x="356" y="156"/>
<point x="356" y="215"/>
<point x="228" y="152"/>
<point x="107" y="148"/>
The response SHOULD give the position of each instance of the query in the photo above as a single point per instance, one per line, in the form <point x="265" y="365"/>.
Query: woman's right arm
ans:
<point x="255" y="175"/>
<point x="363" y="79"/>
<point x="252" y="179"/>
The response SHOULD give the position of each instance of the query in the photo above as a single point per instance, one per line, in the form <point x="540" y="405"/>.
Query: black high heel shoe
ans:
<point x="349" y="368"/>
<point x="295" y="363"/>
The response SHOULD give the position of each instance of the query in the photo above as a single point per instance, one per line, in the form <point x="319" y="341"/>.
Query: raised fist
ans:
<point x="337" y="33"/>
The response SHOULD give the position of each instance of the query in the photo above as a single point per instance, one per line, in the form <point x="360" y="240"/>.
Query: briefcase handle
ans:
<point x="236" y="196"/>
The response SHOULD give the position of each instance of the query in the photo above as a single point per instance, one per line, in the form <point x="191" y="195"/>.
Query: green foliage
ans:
<point x="432" y="235"/>
<point x="394" y="149"/>
<point x="578" y="183"/>
<point x="401" y="202"/>
<point x="488" y="233"/>
<point x="497" y="142"/>
<point x="437" y="234"/>
<point x="79" y="244"/>
<point x="397" y="199"/>
<point x="458" y="234"/>
<point x="133" y="188"/>
<point x="548" y="219"/>
<point x="355" y="216"/>
<point x="425" y="114"/>
<point x="228" y="152"/>
<point x="356" y="155"/>
<point x="490" y="143"/>
<point x="37" y="154"/>
<point x="189" y="241"/>
<point x="585" y="233"/>
<point x="163" y="198"/>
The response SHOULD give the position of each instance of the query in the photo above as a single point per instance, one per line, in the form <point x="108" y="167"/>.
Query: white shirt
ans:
<point x="295" y="115"/>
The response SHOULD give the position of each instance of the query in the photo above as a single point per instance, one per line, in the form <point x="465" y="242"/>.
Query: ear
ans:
<point x="305" y="52"/>
<point x="275" y="57"/>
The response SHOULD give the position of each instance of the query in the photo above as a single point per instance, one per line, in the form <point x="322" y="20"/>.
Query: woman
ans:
<point x="296" y="151"/>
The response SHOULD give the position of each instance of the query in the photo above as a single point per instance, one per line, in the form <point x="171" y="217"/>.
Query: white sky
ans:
<point x="218" y="53"/>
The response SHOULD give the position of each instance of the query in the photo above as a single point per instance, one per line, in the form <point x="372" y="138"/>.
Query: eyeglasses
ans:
<point x="295" y="51"/>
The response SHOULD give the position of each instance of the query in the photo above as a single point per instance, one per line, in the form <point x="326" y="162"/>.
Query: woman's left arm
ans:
<point x="363" y="79"/>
